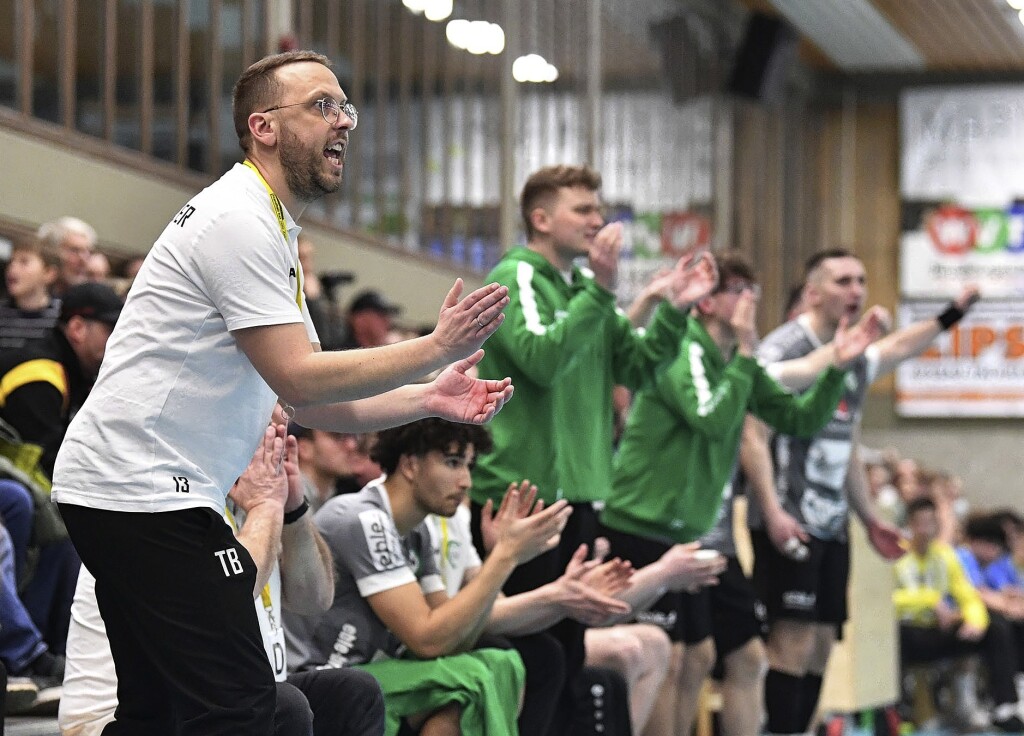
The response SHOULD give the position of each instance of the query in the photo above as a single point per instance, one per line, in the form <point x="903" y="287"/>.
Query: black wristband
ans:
<point x="950" y="316"/>
<point x="290" y="517"/>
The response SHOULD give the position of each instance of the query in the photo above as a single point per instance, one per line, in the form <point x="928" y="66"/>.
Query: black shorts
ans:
<point x="175" y="589"/>
<point x="547" y="568"/>
<point x="813" y="590"/>
<point x="641" y="551"/>
<point x="730" y="612"/>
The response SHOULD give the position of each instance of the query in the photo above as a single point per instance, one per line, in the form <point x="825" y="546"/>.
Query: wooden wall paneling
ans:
<point x="146" y="67"/>
<point x="181" y="83"/>
<point x="353" y="160"/>
<point x="68" y="61"/>
<point x="304" y="24"/>
<point x="26" y="54"/>
<point x="214" y="80"/>
<point x="332" y="15"/>
<point x="109" y="69"/>
<point x="450" y="64"/>
<point x="248" y="11"/>
<point x="382" y="75"/>
<point x="406" y="51"/>
<point x="427" y="98"/>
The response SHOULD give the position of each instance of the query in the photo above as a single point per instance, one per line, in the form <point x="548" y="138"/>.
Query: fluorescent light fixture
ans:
<point x="533" y="68"/>
<point x="437" y="10"/>
<point x="416" y="6"/>
<point x="476" y="37"/>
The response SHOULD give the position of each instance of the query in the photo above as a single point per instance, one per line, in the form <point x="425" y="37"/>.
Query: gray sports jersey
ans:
<point x="810" y="474"/>
<point x="369" y="557"/>
<point x="719" y="537"/>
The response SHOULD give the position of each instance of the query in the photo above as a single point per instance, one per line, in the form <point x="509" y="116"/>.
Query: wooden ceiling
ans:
<point x="951" y="35"/>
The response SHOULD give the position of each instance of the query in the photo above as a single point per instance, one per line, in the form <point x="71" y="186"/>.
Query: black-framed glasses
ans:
<point x="330" y="109"/>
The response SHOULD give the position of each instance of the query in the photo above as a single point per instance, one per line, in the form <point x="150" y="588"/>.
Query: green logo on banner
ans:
<point x="993" y="230"/>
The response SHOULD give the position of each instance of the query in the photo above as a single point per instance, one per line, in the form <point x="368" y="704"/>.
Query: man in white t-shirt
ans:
<point x="299" y="576"/>
<point x="214" y="329"/>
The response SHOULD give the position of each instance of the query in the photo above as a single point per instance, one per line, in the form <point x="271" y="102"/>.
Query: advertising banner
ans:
<point x="976" y="369"/>
<point x="962" y="186"/>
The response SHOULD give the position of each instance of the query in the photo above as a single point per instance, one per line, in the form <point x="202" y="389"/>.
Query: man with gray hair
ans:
<point x="74" y="241"/>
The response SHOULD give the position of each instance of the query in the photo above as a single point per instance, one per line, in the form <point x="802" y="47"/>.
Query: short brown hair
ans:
<point x="733" y="264"/>
<point x="544" y="184"/>
<point x="814" y="262"/>
<point x="36" y="247"/>
<point x="258" y="88"/>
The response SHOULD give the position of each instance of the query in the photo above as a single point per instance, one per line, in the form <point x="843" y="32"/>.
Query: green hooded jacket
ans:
<point x="681" y="441"/>
<point x="565" y="346"/>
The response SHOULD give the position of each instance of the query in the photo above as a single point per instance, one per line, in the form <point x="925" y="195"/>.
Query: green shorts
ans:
<point x="486" y="684"/>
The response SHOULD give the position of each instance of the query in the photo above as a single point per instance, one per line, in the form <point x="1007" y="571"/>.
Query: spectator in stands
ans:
<point x="330" y="461"/>
<point x="941" y="614"/>
<point x="29" y="310"/>
<point x="320" y="297"/>
<point x="45" y="383"/>
<point x="295" y="565"/>
<point x="74" y="241"/>
<point x="131" y="267"/>
<point x="1013" y="523"/>
<point x="98" y="267"/>
<point x="804" y="488"/>
<point x="567" y="344"/>
<point x="34" y="685"/>
<point x="986" y="558"/>
<point x="369" y="320"/>
<point x="390" y="599"/>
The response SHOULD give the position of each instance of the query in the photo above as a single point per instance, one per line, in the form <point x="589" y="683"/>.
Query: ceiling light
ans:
<point x="458" y="32"/>
<point x="497" y="39"/>
<point x="533" y="68"/>
<point x="1016" y="4"/>
<point x="416" y="6"/>
<point x="479" y="37"/>
<point x="437" y="10"/>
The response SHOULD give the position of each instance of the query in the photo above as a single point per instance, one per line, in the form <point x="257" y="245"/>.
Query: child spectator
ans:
<point x="941" y="614"/>
<point x="29" y="310"/>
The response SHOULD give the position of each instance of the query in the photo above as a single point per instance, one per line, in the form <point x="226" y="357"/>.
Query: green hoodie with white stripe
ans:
<point x="683" y="434"/>
<point x="565" y="346"/>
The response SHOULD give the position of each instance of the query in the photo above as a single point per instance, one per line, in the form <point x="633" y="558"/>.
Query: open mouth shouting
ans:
<point x="335" y="153"/>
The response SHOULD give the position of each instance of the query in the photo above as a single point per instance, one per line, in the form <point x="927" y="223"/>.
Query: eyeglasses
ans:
<point x="330" y="109"/>
<point x="739" y="287"/>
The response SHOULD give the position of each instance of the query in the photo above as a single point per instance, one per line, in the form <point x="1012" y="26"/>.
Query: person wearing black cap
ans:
<point x="42" y="385"/>
<point x="45" y="382"/>
<point x="369" y="320"/>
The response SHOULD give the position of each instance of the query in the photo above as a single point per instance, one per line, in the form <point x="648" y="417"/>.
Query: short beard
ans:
<point x="302" y="171"/>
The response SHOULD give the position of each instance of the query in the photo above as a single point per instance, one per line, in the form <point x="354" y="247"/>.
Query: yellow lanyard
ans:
<point x="278" y="209"/>
<point x="268" y="604"/>
<point x="444" y="548"/>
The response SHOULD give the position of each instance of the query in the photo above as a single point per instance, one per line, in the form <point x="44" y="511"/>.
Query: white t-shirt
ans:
<point x="452" y="542"/>
<point x="178" y="409"/>
<point x="89" y="695"/>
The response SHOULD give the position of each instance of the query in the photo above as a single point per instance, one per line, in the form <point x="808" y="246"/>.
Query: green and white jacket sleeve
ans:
<point x="800" y="415"/>
<point x="639" y="354"/>
<point x="544" y="326"/>
<point x="711" y="406"/>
